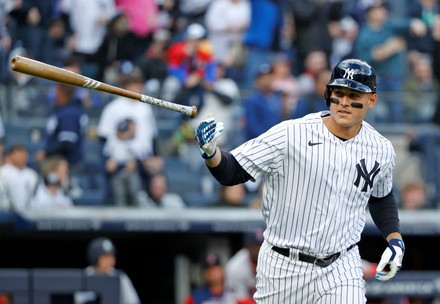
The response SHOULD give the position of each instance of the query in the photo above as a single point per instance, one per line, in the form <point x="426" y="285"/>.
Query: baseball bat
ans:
<point x="43" y="70"/>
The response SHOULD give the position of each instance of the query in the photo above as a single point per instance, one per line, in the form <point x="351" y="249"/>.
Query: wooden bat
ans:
<point x="43" y="70"/>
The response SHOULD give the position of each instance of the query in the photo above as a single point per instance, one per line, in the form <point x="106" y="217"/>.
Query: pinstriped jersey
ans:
<point x="317" y="186"/>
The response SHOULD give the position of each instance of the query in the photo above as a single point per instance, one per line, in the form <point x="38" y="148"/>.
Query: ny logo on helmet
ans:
<point x="349" y="73"/>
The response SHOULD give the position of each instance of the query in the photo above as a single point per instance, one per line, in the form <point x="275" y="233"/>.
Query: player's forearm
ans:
<point x="394" y="235"/>
<point x="215" y="161"/>
<point x="228" y="171"/>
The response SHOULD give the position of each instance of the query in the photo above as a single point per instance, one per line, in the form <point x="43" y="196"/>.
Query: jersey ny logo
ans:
<point x="349" y="73"/>
<point x="368" y="177"/>
<point x="314" y="144"/>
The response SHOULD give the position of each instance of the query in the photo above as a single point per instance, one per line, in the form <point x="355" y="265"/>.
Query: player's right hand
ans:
<point x="206" y="135"/>
<point x="392" y="257"/>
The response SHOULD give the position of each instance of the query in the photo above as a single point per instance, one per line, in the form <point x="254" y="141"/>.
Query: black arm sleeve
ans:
<point x="229" y="172"/>
<point x="385" y="214"/>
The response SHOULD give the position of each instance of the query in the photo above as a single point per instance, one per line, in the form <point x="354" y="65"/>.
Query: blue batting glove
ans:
<point x="206" y="135"/>
<point x="391" y="257"/>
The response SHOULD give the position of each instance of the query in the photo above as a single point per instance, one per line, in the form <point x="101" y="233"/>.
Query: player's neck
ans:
<point x="343" y="133"/>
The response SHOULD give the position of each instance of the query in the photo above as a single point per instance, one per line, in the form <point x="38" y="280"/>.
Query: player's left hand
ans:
<point x="392" y="257"/>
<point x="206" y="134"/>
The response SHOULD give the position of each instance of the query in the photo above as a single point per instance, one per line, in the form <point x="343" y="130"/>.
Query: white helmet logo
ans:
<point x="349" y="73"/>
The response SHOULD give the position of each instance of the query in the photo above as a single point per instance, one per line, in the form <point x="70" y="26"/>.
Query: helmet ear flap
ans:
<point x="327" y="94"/>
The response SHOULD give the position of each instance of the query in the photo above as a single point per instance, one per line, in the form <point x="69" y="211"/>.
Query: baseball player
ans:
<point x="321" y="172"/>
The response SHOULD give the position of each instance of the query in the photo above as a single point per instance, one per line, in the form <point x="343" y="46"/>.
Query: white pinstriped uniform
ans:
<point x="315" y="199"/>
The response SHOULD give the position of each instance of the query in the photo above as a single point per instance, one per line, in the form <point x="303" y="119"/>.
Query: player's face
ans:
<point x="351" y="106"/>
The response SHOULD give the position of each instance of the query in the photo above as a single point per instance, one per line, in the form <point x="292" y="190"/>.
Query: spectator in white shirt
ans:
<point x="19" y="180"/>
<point x="50" y="194"/>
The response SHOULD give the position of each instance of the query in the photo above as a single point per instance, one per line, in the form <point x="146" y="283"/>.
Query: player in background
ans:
<point x="320" y="173"/>
<point x="101" y="253"/>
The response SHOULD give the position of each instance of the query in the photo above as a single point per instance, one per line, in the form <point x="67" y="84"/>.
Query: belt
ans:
<point x="321" y="262"/>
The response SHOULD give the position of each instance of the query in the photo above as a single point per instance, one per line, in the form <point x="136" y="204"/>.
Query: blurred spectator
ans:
<point x="382" y="42"/>
<point x="60" y="166"/>
<point x="213" y="285"/>
<point x="421" y="92"/>
<point x="226" y="22"/>
<point x="144" y="141"/>
<point x="285" y="82"/>
<point x="315" y="61"/>
<point x="118" y="44"/>
<point x="88" y="21"/>
<point x="424" y="11"/>
<point x="191" y="63"/>
<point x="240" y="269"/>
<point x="232" y="196"/>
<point x="101" y="254"/>
<point x="193" y="11"/>
<point x="50" y="195"/>
<point x="343" y="42"/>
<point x="313" y="102"/>
<point x="262" y="38"/>
<point x="222" y="100"/>
<point x="263" y="107"/>
<point x="435" y="53"/>
<point x="55" y="46"/>
<point x="19" y="180"/>
<point x="143" y="16"/>
<point x="169" y="15"/>
<point x="5" y="40"/>
<point x="30" y="20"/>
<point x="2" y="140"/>
<point x="121" y="165"/>
<point x="413" y="196"/>
<point x="66" y="127"/>
<point x="158" y="195"/>
<point x="313" y="22"/>
<point x="153" y="63"/>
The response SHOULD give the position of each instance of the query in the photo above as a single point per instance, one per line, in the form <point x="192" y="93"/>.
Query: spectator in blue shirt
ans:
<point x="313" y="101"/>
<point x="65" y="127"/>
<point x="263" y="107"/>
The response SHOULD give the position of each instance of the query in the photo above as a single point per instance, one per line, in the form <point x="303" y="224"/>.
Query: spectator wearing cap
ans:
<point x="213" y="286"/>
<point x="101" y="254"/>
<point x="50" y="194"/>
<point x="190" y="62"/>
<point x="121" y="165"/>
<point x="240" y="269"/>
<point x="263" y="107"/>
<point x="143" y="143"/>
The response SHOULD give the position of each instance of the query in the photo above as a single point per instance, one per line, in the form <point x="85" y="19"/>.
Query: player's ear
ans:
<point x="372" y="100"/>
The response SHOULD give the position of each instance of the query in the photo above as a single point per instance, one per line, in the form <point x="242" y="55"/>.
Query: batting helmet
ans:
<point x="98" y="247"/>
<point x="354" y="74"/>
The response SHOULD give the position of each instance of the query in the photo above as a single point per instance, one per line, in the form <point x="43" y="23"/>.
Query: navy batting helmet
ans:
<point x="98" y="247"/>
<point x="354" y="74"/>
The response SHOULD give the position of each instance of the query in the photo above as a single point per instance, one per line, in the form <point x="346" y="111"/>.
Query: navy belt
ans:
<point x="321" y="262"/>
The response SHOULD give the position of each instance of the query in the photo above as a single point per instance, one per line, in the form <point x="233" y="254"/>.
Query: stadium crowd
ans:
<point x="253" y="63"/>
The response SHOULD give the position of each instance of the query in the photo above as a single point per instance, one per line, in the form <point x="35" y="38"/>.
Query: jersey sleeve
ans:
<point x="265" y="154"/>
<point x="384" y="186"/>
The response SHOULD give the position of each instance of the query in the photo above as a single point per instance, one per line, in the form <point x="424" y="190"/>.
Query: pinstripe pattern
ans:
<point x="314" y="198"/>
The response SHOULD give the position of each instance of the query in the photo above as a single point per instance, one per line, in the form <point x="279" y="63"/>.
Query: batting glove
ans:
<point x="392" y="258"/>
<point x="206" y="134"/>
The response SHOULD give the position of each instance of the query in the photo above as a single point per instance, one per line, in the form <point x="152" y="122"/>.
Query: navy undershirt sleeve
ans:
<point x="229" y="172"/>
<point x="384" y="213"/>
